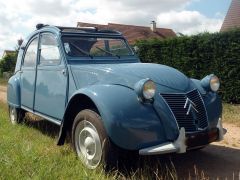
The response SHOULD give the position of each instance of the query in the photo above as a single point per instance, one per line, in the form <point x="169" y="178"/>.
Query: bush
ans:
<point x="7" y="64"/>
<point x="200" y="55"/>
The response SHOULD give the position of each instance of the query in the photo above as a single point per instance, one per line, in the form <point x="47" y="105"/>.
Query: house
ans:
<point x="132" y="32"/>
<point x="232" y="19"/>
<point x="7" y="52"/>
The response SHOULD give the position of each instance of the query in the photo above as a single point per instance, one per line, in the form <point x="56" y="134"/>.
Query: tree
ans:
<point x="7" y="64"/>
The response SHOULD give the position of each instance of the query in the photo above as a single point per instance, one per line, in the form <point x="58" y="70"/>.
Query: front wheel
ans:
<point x="16" y="115"/>
<point x="197" y="148"/>
<point x="90" y="139"/>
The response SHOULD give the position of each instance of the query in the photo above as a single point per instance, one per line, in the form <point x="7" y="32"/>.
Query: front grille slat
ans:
<point x="194" y="121"/>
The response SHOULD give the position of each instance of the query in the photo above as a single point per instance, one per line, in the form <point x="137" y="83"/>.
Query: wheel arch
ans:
<point x="123" y="116"/>
<point x="78" y="102"/>
<point x="14" y="92"/>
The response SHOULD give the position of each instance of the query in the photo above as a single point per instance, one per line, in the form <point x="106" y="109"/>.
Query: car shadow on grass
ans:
<point x="211" y="162"/>
<point x="42" y="125"/>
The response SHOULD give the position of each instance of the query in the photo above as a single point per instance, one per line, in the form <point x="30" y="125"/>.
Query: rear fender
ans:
<point x="13" y="91"/>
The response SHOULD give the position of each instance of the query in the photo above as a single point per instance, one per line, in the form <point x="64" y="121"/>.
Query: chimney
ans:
<point x="153" y="26"/>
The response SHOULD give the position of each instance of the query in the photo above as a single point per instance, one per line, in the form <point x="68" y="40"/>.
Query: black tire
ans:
<point x="16" y="115"/>
<point x="197" y="149"/>
<point x="86" y="122"/>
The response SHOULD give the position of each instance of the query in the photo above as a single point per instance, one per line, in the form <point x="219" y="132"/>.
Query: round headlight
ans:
<point x="149" y="89"/>
<point x="210" y="83"/>
<point x="214" y="83"/>
<point x="145" y="89"/>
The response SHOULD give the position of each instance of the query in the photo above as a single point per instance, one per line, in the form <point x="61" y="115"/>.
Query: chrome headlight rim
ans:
<point x="211" y="83"/>
<point x="146" y="89"/>
<point x="214" y="83"/>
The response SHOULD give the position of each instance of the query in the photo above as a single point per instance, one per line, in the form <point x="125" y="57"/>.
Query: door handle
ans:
<point x="64" y="72"/>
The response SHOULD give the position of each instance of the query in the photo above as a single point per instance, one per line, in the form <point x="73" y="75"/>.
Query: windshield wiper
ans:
<point x="81" y="50"/>
<point x="107" y="52"/>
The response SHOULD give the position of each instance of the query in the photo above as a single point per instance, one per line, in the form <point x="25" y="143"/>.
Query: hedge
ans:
<point x="200" y="55"/>
<point x="8" y="62"/>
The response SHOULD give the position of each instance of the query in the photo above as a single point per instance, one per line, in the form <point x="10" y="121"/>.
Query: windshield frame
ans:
<point x="132" y="53"/>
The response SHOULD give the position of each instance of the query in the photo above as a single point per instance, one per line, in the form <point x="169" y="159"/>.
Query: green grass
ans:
<point x="3" y="81"/>
<point x="231" y="114"/>
<point x="29" y="151"/>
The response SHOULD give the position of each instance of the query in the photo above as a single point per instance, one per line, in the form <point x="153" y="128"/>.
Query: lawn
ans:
<point x="29" y="151"/>
<point x="231" y="114"/>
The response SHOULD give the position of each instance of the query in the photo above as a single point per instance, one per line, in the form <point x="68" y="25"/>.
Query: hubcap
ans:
<point x="88" y="144"/>
<point x="13" y="115"/>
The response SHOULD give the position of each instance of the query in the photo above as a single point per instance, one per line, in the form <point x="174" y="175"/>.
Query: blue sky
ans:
<point x="19" y="18"/>
<point x="210" y="8"/>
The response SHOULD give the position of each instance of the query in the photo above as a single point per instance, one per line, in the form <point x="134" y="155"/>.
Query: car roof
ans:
<point x="71" y="31"/>
<point x="79" y="30"/>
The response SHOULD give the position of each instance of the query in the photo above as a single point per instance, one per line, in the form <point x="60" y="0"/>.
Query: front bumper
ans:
<point x="186" y="142"/>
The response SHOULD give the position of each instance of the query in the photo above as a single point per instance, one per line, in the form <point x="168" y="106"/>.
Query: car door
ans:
<point x="51" y="80"/>
<point x="28" y="74"/>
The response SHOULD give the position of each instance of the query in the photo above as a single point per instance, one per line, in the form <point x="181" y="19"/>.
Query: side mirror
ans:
<point x="136" y="49"/>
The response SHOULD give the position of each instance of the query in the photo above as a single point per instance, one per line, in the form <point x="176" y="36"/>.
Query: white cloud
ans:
<point x="150" y="6"/>
<point x="189" y="22"/>
<point x="18" y="18"/>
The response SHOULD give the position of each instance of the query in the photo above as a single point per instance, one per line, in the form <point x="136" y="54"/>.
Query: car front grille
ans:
<point x="188" y="109"/>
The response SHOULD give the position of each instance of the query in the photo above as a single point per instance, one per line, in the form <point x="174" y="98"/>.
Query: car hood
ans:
<point x="128" y="74"/>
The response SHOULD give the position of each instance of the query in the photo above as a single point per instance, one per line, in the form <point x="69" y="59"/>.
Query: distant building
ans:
<point x="6" y="52"/>
<point x="132" y="32"/>
<point x="232" y="19"/>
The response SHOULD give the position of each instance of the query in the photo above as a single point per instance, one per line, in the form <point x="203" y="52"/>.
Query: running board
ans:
<point x="57" y="122"/>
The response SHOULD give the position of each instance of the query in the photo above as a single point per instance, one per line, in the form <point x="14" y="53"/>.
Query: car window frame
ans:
<point x="36" y="36"/>
<point x="59" y="50"/>
<point x="133" y="54"/>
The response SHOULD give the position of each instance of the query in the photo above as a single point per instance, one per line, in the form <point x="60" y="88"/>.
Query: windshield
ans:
<point x="96" y="47"/>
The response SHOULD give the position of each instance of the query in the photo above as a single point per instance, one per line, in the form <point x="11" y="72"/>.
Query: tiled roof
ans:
<point x="232" y="19"/>
<point x="6" y="52"/>
<point x="133" y="33"/>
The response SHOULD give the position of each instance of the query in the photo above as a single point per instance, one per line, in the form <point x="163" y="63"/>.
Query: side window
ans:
<point x="49" y="54"/>
<point x="30" y="58"/>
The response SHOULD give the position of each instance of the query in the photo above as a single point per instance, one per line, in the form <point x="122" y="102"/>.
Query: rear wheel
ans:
<point x="90" y="139"/>
<point x="16" y="115"/>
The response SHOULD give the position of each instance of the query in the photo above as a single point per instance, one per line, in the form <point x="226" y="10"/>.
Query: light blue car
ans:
<point x="91" y="83"/>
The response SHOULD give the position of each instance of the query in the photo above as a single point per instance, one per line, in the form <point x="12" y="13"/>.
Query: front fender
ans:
<point x="195" y="83"/>
<point x="13" y="91"/>
<point x="129" y="123"/>
<point x="213" y="106"/>
<point x="213" y="103"/>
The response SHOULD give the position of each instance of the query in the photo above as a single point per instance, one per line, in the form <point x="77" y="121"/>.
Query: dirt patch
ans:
<point x="232" y="138"/>
<point x="3" y="93"/>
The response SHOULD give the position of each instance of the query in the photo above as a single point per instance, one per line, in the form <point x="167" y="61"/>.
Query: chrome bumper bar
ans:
<point x="179" y="145"/>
